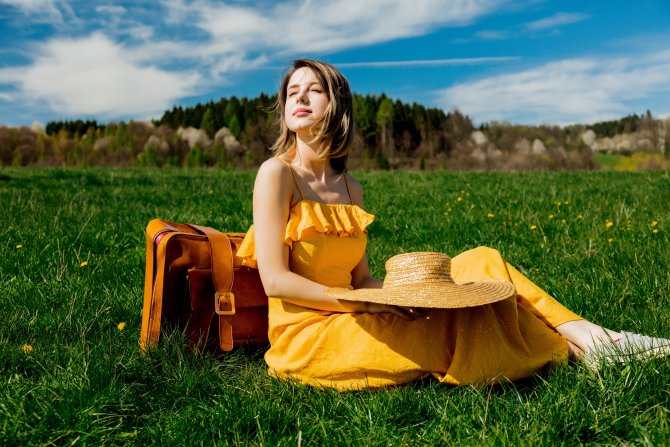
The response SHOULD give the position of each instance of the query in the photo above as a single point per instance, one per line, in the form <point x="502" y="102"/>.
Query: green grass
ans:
<point x="85" y="382"/>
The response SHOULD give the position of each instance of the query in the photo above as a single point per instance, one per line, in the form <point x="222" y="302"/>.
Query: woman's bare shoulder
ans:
<point x="274" y="171"/>
<point x="273" y="166"/>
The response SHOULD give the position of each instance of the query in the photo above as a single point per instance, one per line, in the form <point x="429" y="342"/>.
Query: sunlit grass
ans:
<point x="71" y="274"/>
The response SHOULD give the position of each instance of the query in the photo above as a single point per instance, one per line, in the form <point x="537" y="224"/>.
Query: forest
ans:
<point x="237" y="132"/>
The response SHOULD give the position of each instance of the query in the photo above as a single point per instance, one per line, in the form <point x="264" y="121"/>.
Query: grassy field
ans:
<point x="71" y="274"/>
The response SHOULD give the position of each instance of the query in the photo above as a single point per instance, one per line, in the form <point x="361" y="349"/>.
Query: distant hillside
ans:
<point x="236" y="132"/>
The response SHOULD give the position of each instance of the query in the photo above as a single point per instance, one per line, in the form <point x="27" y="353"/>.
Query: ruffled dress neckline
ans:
<point x="307" y="217"/>
<point x="333" y="219"/>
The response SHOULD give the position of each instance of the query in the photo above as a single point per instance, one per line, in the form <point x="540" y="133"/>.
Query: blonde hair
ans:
<point x="337" y="127"/>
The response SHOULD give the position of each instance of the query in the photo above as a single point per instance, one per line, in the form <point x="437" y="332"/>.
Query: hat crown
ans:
<point x="421" y="267"/>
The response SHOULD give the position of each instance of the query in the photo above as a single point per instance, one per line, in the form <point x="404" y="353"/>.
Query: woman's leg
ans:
<point x="487" y="263"/>
<point x="586" y="340"/>
<point x="582" y="335"/>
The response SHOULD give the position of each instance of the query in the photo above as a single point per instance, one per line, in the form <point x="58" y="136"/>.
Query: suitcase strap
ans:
<point x="222" y="276"/>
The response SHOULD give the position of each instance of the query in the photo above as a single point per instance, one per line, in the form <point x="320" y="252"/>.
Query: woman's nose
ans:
<point x="301" y="97"/>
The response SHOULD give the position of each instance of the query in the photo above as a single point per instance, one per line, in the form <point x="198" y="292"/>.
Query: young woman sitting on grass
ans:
<point x="309" y="239"/>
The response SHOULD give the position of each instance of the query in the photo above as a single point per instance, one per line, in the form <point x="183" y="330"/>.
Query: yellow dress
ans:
<point x="499" y="342"/>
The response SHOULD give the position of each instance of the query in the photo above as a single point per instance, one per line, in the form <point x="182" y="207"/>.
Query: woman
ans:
<point x="309" y="234"/>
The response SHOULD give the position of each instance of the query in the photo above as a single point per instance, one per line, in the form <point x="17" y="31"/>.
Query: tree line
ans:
<point x="236" y="132"/>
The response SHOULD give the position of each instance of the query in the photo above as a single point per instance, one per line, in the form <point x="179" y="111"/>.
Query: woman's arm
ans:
<point x="360" y="276"/>
<point x="271" y="203"/>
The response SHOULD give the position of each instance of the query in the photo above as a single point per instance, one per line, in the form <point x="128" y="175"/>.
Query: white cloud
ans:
<point x="46" y="11"/>
<point x="558" y="19"/>
<point x="95" y="76"/>
<point x="36" y="7"/>
<point x="244" y="37"/>
<point x="322" y="25"/>
<point x="110" y="9"/>
<point x="564" y="92"/>
<point x="140" y="32"/>
<point x="237" y="63"/>
<point x="10" y="75"/>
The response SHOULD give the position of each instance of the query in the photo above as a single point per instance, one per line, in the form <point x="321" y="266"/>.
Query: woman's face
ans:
<point x="306" y="102"/>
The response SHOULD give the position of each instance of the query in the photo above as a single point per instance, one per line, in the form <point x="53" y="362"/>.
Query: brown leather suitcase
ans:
<point x="195" y="283"/>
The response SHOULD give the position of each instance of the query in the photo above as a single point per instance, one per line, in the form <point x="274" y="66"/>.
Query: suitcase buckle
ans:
<point x="228" y="301"/>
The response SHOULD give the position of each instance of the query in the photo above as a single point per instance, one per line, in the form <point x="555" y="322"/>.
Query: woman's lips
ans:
<point x="301" y="112"/>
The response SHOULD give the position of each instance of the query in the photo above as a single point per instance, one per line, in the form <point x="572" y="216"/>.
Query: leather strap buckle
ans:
<point x="224" y="303"/>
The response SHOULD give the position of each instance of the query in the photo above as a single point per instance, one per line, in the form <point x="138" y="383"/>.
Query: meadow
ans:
<point x="71" y="279"/>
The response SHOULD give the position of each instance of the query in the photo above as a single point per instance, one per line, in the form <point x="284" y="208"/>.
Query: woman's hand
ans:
<point x="408" y="313"/>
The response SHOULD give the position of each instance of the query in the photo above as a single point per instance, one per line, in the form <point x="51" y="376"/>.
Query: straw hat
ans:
<point x="423" y="279"/>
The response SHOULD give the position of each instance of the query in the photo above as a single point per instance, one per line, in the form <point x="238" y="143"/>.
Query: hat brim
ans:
<point x="443" y="295"/>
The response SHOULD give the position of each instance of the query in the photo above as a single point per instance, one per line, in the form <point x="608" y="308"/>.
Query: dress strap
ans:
<point x="351" y="201"/>
<point x="295" y="177"/>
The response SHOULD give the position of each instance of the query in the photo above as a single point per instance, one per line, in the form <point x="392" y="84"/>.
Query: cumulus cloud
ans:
<point x="95" y="76"/>
<point x="131" y="65"/>
<point x="563" y="92"/>
<point x="558" y="19"/>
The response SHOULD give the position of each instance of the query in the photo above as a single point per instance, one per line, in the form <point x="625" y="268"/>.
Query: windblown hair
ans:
<point x="336" y="131"/>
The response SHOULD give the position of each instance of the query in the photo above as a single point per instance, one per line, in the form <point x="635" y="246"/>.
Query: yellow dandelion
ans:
<point x="490" y="215"/>
<point x="83" y="264"/>
<point x="558" y="203"/>
<point x="460" y="199"/>
<point x="27" y="349"/>
<point x="655" y="230"/>
<point x="19" y="246"/>
<point x="562" y="220"/>
<point x="566" y="203"/>
<point x="551" y="216"/>
<point x="121" y="326"/>
<point x="653" y="224"/>
<point x="610" y="240"/>
<point x="579" y="217"/>
<point x="609" y="224"/>
<point x="533" y="227"/>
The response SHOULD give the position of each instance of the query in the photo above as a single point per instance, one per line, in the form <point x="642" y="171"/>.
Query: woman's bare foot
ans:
<point x="594" y="344"/>
<point x="586" y="335"/>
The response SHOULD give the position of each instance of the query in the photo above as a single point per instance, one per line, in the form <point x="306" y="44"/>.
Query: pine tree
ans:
<point x="384" y="120"/>
<point x="207" y="124"/>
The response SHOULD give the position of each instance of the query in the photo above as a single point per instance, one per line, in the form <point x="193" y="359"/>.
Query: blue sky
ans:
<point x="522" y="61"/>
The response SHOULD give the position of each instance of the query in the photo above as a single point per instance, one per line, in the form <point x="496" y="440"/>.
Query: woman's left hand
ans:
<point x="408" y="313"/>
